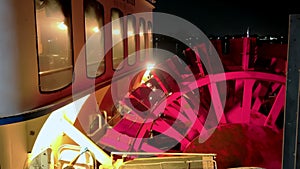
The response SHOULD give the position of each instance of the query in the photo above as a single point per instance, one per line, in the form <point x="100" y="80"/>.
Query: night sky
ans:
<point x="223" y="17"/>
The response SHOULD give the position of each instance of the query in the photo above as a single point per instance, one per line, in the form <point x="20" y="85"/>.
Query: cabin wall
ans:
<point x="13" y="145"/>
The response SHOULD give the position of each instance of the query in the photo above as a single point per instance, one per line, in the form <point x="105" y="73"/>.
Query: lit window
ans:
<point x="117" y="38"/>
<point x="142" y="36"/>
<point x="54" y="44"/>
<point x="94" y="36"/>
<point x="150" y="39"/>
<point x="131" y="39"/>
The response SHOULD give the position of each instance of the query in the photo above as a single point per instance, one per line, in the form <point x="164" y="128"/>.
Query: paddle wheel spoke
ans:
<point x="188" y="111"/>
<point x="247" y="100"/>
<point x="277" y="107"/>
<point x="217" y="103"/>
<point x="260" y="91"/>
<point x="180" y="116"/>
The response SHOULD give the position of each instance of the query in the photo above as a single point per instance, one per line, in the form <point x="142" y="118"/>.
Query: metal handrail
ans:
<point x="160" y="153"/>
<point x="43" y="73"/>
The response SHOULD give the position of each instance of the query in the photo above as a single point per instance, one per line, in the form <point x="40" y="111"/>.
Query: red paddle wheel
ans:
<point x="237" y="114"/>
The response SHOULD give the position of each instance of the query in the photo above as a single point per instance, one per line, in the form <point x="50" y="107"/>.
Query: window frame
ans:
<point x="133" y="18"/>
<point x="42" y="73"/>
<point x="142" y="23"/>
<point x="85" y="39"/>
<point x="121" y="19"/>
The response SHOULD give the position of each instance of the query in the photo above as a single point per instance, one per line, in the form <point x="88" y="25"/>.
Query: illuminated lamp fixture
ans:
<point x="62" y="26"/>
<point x="95" y="29"/>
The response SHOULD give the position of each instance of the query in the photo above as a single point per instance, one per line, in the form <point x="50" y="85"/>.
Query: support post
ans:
<point x="291" y="116"/>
